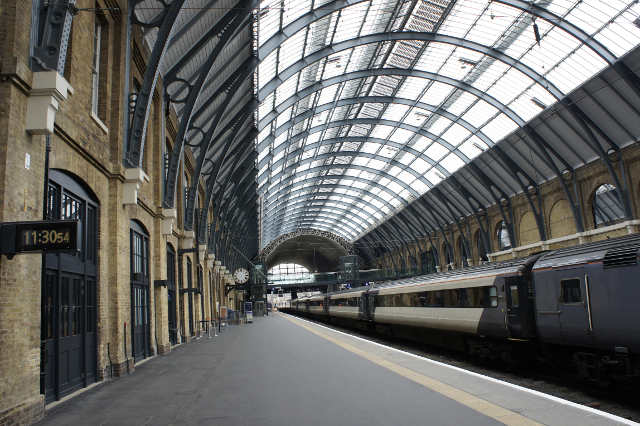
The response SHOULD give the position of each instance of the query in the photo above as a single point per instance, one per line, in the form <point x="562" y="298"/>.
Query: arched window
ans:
<point x="463" y="254"/>
<point x="482" y="249"/>
<point x="503" y="236"/>
<point x="607" y="207"/>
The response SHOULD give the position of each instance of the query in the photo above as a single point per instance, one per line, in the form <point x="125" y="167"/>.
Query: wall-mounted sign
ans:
<point x="40" y="236"/>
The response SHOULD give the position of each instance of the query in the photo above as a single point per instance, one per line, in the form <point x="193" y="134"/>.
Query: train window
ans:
<point x="451" y="298"/>
<point x="571" y="291"/>
<point x="474" y="297"/>
<point x="515" y="301"/>
<point x="493" y="294"/>
<point x="434" y="298"/>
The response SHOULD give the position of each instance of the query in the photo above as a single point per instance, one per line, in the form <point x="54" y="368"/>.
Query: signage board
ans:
<point x="40" y="237"/>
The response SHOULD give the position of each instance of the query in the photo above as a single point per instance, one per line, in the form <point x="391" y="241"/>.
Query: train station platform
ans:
<point x="283" y="370"/>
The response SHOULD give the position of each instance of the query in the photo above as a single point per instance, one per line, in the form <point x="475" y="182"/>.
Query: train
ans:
<point x="575" y="308"/>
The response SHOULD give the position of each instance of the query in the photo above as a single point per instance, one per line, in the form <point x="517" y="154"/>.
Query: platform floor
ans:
<point x="282" y="370"/>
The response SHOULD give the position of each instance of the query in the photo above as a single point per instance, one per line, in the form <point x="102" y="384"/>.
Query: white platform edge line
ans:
<point x="462" y="370"/>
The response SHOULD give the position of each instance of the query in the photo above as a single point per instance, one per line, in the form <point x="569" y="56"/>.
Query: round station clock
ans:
<point x="241" y="275"/>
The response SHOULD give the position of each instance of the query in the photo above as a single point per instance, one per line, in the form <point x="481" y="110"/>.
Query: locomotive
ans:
<point x="572" y="308"/>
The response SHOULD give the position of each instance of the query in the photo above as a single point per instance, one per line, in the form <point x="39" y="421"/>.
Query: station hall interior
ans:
<point x="189" y="178"/>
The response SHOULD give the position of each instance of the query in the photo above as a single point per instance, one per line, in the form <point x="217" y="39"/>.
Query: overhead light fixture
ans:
<point x="469" y="62"/>
<point x="539" y="103"/>
<point x="439" y="175"/>
<point x="477" y="145"/>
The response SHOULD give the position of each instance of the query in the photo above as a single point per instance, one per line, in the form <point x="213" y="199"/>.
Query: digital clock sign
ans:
<point x="41" y="236"/>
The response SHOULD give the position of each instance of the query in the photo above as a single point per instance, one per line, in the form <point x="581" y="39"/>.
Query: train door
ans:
<point x="518" y="307"/>
<point x="574" y="312"/>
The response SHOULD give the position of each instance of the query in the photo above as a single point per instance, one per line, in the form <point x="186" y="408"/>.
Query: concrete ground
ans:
<point x="282" y="370"/>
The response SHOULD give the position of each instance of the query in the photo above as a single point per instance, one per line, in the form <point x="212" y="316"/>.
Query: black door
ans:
<point x="140" y="329"/>
<point x="69" y="294"/>
<point x="171" y="298"/>
<point x="192" y="329"/>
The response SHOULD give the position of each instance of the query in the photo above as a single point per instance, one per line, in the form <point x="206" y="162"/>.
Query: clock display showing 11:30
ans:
<point x="45" y="236"/>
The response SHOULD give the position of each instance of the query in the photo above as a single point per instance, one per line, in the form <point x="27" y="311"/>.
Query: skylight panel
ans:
<point x="370" y="147"/>
<point x="360" y="161"/>
<point x="267" y="69"/>
<point x="490" y="74"/>
<point x="291" y="50"/>
<point x="395" y="187"/>
<point x="286" y="89"/>
<point x="334" y="65"/>
<point x="473" y="147"/>
<point x="381" y="131"/>
<point x="438" y="124"/>
<point x="421" y="166"/>
<point x="293" y="9"/>
<point x="590" y="15"/>
<point x="412" y="87"/>
<point x="436" y="151"/>
<point x="381" y="180"/>
<point x="434" y="176"/>
<point x="434" y="56"/>
<point x="284" y="117"/>
<point x="350" y="22"/>
<point x="328" y="94"/>
<point x="420" y="143"/>
<point x="499" y="127"/>
<point x="360" y="57"/>
<point x="401" y="135"/>
<point x="436" y="93"/>
<point x="417" y="117"/>
<point x="269" y="20"/>
<point x="419" y="186"/>
<point x="488" y="30"/>
<point x="461" y="17"/>
<point x="406" y="177"/>
<point x="452" y="162"/>
<point x="456" y="134"/>
<point x="405" y="158"/>
<point x="461" y="104"/>
<point x="479" y="113"/>
<point x="622" y="35"/>
<point x="509" y="86"/>
<point x="388" y="152"/>
<point x="266" y="106"/>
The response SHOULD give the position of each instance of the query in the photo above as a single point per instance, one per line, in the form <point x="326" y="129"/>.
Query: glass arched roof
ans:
<point x="366" y="106"/>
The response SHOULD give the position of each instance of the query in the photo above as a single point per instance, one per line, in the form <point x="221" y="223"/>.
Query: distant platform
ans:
<point x="282" y="370"/>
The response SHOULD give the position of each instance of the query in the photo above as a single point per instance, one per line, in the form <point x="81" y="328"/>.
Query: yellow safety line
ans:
<point x="482" y="406"/>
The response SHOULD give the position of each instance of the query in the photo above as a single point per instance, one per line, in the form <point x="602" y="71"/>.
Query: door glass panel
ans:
<point x="64" y="307"/>
<point x="47" y="321"/>
<point x="571" y="291"/>
<point x="89" y="322"/>
<point x="493" y="293"/>
<point x="76" y="306"/>
<point x="515" y="301"/>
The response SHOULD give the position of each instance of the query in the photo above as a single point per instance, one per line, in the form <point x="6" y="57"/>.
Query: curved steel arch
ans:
<point x="295" y="212"/>
<point x="381" y="100"/>
<point x="301" y="22"/>
<point x="351" y="166"/>
<point x="335" y="185"/>
<point x="273" y="244"/>
<point x="301" y="222"/>
<point x="298" y="201"/>
<point x="276" y="213"/>
<point x="298" y="66"/>
<point x="352" y="231"/>
<point x="403" y="72"/>
<point x="350" y="154"/>
<point x="135" y="135"/>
